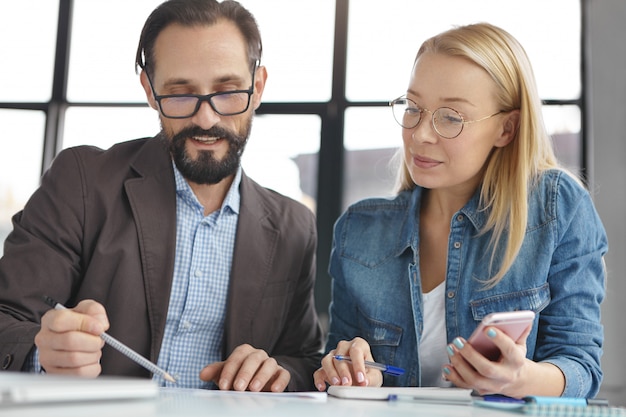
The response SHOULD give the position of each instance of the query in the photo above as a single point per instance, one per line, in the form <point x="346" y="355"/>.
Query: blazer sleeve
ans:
<point x="40" y="255"/>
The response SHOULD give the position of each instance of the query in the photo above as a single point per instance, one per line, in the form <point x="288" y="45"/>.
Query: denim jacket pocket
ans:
<point x="534" y="299"/>
<point x="383" y="338"/>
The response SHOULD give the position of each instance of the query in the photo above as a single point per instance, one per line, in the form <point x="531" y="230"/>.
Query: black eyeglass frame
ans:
<point x="432" y="113"/>
<point x="201" y="98"/>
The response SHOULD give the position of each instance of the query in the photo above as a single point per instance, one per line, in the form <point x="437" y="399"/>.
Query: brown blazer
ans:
<point x="102" y="226"/>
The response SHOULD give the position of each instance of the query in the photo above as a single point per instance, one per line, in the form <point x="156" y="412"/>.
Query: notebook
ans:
<point x="23" y="388"/>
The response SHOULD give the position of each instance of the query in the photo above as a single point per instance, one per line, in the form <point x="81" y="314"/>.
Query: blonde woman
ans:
<point x="485" y="220"/>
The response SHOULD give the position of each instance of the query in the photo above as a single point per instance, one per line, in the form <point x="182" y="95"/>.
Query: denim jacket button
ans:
<point x="450" y="294"/>
<point x="457" y="245"/>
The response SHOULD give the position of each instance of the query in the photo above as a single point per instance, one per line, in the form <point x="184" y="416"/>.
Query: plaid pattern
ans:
<point x="560" y="410"/>
<point x="195" y="319"/>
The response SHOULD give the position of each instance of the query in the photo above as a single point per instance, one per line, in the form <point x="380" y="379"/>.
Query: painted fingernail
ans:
<point x="458" y="343"/>
<point x="446" y="371"/>
<point x="450" y="350"/>
<point x="345" y="380"/>
<point x="491" y="333"/>
<point x="360" y="377"/>
<point x="320" y="387"/>
<point x="335" y="381"/>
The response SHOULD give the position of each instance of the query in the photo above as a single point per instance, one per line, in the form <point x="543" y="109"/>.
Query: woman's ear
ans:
<point x="143" y="77"/>
<point x="510" y="127"/>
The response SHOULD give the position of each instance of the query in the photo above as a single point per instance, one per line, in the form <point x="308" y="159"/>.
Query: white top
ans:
<point x="432" y="347"/>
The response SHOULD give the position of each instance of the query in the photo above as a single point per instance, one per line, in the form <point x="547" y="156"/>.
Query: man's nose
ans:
<point x="206" y="117"/>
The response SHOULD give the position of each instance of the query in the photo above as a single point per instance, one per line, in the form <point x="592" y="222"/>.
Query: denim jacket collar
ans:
<point x="410" y="231"/>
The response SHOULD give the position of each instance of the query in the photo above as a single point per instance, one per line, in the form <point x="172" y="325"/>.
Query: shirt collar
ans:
<point x="232" y="200"/>
<point x="410" y="231"/>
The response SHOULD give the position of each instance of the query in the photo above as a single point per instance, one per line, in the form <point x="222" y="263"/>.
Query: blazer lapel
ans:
<point x="254" y="255"/>
<point x="152" y="197"/>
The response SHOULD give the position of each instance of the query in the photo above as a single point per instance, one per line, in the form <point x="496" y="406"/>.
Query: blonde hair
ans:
<point x="512" y="170"/>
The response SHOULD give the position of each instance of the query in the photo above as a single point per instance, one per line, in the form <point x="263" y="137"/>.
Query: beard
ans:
<point x="205" y="168"/>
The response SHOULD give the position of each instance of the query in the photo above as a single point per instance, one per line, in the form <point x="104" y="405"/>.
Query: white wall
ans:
<point x="607" y="101"/>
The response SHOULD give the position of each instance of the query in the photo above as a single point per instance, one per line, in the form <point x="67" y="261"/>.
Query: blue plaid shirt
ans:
<point x="195" y="319"/>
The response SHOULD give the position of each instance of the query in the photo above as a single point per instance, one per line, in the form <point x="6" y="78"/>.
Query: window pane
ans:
<point x="563" y="124"/>
<point x="380" y="60"/>
<point x="282" y="154"/>
<point x="105" y="126"/>
<point x="28" y="31"/>
<point x="20" y="162"/>
<point x="299" y="65"/>
<point x="105" y="35"/>
<point x="372" y="138"/>
<point x="297" y="47"/>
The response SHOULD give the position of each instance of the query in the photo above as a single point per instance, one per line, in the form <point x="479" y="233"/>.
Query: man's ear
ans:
<point x="143" y="77"/>
<point x="510" y="126"/>
<point x="259" y="86"/>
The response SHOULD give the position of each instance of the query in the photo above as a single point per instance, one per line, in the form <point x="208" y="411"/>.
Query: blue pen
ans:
<point x="388" y="369"/>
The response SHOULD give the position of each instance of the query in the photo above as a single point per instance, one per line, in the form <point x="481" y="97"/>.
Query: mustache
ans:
<point x="215" y="131"/>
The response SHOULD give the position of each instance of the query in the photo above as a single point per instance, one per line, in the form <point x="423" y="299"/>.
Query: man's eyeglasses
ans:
<point x="447" y="122"/>
<point x="224" y="103"/>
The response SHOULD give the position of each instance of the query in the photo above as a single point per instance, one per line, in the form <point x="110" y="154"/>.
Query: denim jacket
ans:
<point x="559" y="274"/>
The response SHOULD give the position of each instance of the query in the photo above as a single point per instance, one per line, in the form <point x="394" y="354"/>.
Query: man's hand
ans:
<point x="247" y="368"/>
<point x="69" y="340"/>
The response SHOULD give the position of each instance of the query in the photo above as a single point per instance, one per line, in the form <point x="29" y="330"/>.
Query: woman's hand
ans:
<point x="334" y="372"/>
<point x="512" y="374"/>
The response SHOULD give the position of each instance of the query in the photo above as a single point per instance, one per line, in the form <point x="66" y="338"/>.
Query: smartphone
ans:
<point x="513" y="323"/>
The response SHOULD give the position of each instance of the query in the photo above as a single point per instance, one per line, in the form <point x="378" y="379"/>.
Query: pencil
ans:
<point x="122" y="348"/>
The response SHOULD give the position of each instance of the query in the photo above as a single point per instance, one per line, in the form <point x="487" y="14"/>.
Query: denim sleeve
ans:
<point x="342" y="309"/>
<point x="570" y="332"/>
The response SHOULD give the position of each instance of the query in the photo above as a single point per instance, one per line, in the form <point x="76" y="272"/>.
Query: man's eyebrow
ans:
<point x="221" y="80"/>
<point x="176" y="81"/>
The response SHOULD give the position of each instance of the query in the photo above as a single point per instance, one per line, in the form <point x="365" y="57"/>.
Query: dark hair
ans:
<point x="192" y="13"/>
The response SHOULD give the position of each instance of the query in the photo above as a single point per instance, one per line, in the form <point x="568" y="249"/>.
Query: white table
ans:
<point x="191" y="403"/>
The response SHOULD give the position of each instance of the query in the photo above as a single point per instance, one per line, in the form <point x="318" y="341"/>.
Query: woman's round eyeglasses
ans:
<point x="447" y="122"/>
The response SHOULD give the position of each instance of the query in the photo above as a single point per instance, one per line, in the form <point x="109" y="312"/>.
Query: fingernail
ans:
<point x="223" y="384"/>
<point x="321" y="387"/>
<point x="491" y="333"/>
<point x="450" y="350"/>
<point x="345" y="380"/>
<point x="360" y="377"/>
<point x="446" y="371"/>
<point x="255" y="386"/>
<point x="335" y="381"/>
<point x="458" y="343"/>
<point x="240" y="385"/>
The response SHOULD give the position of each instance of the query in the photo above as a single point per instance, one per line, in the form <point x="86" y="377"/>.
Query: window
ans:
<point x="324" y="123"/>
<point x="383" y="42"/>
